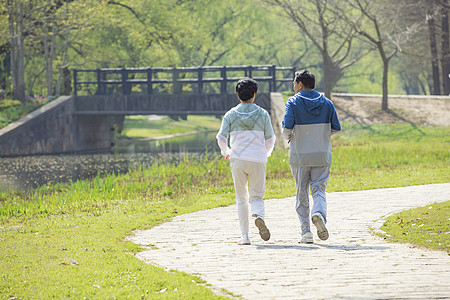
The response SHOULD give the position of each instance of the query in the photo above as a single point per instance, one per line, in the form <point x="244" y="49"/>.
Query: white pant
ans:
<point x="317" y="178"/>
<point x="247" y="174"/>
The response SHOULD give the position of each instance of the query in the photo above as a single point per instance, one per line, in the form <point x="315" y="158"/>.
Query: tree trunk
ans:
<point x="5" y="70"/>
<point x="445" y="52"/>
<point x="384" y="101"/>
<point x="434" y="55"/>
<point x="49" y="50"/>
<point x="327" y="74"/>
<point x="63" y="65"/>
<point x="67" y="86"/>
<point x="17" y="48"/>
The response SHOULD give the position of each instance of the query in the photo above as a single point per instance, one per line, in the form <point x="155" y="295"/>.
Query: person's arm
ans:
<point x="335" y="125"/>
<point x="288" y="122"/>
<point x="270" y="144"/>
<point x="334" y="132"/>
<point x="223" y="145"/>
<point x="222" y="138"/>
<point x="269" y="135"/>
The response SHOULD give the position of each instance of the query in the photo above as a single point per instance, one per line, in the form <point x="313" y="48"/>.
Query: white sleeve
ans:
<point x="223" y="144"/>
<point x="270" y="143"/>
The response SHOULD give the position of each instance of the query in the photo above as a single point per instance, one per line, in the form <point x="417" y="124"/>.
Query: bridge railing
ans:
<point x="200" y="80"/>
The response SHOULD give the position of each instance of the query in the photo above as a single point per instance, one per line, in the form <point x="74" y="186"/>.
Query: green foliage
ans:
<point x="12" y="110"/>
<point x="189" y="33"/>
<point x="365" y="77"/>
<point x="426" y="226"/>
<point x="7" y="103"/>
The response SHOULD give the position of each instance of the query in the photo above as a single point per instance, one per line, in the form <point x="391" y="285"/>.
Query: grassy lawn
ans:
<point x="12" y="110"/>
<point x="69" y="240"/>
<point x="427" y="227"/>
<point x="142" y="127"/>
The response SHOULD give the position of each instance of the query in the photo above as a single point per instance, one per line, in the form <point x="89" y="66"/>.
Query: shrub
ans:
<point x="12" y="110"/>
<point x="7" y="103"/>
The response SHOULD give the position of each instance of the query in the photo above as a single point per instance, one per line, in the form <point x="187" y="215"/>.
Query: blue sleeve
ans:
<point x="289" y="120"/>
<point x="335" y="125"/>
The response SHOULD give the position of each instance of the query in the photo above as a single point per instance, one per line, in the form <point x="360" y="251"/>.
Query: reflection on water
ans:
<point x="193" y="143"/>
<point x="34" y="171"/>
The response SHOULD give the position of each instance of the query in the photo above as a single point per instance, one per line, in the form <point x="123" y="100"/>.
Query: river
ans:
<point x="19" y="173"/>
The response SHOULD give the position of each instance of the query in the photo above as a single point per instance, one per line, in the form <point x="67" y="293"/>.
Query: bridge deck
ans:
<point x="205" y="104"/>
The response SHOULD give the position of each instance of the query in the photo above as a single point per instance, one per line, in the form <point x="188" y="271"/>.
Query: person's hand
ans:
<point x="227" y="157"/>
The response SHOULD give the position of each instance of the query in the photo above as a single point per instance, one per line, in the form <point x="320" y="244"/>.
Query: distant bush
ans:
<point x="12" y="110"/>
<point x="37" y="100"/>
<point x="6" y="103"/>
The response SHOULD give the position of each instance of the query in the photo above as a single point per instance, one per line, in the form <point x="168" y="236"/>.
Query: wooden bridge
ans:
<point x="190" y="80"/>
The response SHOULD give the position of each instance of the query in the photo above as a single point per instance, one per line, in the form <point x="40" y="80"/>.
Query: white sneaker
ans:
<point x="307" y="238"/>
<point x="244" y="241"/>
<point x="319" y="222"/>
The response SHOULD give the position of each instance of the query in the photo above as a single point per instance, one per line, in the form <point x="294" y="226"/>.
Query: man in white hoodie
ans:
<point x="309" y="122"/>
<point x="252" y="140"/>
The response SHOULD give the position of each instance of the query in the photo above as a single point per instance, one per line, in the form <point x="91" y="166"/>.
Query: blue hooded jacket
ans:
<point x="308" y="122"/>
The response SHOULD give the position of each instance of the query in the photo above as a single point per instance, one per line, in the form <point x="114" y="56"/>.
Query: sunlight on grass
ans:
<point x="427" y="226"/>
<point x="69" y="240"/>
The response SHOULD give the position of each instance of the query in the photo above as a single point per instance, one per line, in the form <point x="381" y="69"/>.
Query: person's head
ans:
<point x="246" y="89"/>
<point x="304" y="80"/>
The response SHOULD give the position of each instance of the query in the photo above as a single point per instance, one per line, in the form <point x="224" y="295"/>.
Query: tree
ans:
<point x="443" y="6"/>
<point x="386" y="36"/>
<point x="17" y="14"/>
<point x="445" y="49"/>
<point x="318" y="22"/>
<point x="430" y="17"/>
<point x="426" y="56"/>
<point x="60" y="22"/>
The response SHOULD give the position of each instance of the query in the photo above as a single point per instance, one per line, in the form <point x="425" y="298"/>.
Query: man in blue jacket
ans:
<point x="309" y="122"/>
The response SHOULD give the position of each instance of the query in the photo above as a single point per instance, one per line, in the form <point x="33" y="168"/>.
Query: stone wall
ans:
<point x="54" y="129"/>
<point x="46" y="130"/>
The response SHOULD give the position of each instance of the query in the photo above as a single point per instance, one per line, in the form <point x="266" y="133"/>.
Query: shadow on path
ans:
<point x="316" y="246"/>
<point x="353" y="247"/>
<point x="281" y="247"/>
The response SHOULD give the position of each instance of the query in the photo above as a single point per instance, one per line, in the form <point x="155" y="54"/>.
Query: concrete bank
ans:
<point x="352" y="264"/>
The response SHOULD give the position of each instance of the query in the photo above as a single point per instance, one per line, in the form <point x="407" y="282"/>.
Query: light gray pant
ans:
<point x="317" y="179"/>
<point x="247" y="174"/>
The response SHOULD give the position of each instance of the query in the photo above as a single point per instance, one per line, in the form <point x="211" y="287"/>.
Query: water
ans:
<point x="193" y="143"/>
<point x="19" y="173"/>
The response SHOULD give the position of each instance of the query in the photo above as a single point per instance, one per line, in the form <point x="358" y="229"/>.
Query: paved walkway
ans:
<point x="351" y="264"/>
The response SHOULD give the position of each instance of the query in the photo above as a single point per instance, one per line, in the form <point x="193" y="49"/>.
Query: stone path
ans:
<point x="351" y="264"/>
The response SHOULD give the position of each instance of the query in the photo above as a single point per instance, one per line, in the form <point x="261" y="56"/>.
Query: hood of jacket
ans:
<point x="249" y="113"/>
<point x="312" y="101"/>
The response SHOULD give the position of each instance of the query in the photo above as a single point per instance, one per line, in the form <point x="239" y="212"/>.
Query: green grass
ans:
<point x="69" y="240"/>
<point x="12" y="110"/>
<point x="142" y="127"/>
<point x="427" y="227"/>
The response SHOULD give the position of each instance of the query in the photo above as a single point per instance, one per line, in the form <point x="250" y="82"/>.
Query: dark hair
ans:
<point x="246" y="88"/>
<point x="306" y="77"/>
